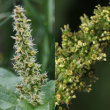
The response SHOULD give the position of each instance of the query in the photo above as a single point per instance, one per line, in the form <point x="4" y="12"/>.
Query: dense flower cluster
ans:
<point x="25" y="60"/>
<point x="77" y="53"/>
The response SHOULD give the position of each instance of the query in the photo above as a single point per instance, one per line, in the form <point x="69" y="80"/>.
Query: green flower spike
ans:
<point x="79" y="50"/>
<point x="25" y="60"/>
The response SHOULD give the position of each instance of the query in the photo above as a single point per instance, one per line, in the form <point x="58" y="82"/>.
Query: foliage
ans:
<point x="8" y="98"/>
<point x="8" y="80"/>
<point x="49" y="96"/>
<point x="78" y="52"/>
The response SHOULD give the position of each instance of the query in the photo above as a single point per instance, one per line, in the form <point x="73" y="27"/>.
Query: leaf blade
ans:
<point x="8" y="79"/>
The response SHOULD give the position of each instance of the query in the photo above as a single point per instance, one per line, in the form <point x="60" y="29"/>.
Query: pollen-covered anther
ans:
<point x="16" y="58"/>
<point x="21" y="30"/>
<point x="19" y="50"/>
<point x="32" y="53"/>
<point x="44" y="76"/>
<point x="58" y="96"/>
<point x="80" y="43"/>
<point x="105" y="59"/>
<point x="17" y="38"/>
<point x="28" y="33"/>
<point x="74" y="96"/>
<point x="94" y="57"/>
<point x="19" y="19"/>
<point x="30" y="64"/>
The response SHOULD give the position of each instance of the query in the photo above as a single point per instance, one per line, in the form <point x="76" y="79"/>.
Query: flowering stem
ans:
<point x="25" y="60"/>
<point x="78" y="51"/>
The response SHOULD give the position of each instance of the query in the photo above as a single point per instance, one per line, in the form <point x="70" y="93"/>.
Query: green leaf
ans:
<point x="8" y="99"/>
<point x="6" y="105"/>
<point x="23" y="105"/>
<point x="43" y="107"/>
<point x="4" y="15"/>
<point x="49" y="97"/>
<point x="8" y="79"/>
<point x="5" y="20"/>
<point x="34" y="13"/>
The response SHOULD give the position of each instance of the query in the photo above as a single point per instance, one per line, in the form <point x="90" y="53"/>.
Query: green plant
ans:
<point x="42" y="17"/>
<point x="78" y="52"/>
<point x="8" y="96"/>
<point x="32" y="86"/>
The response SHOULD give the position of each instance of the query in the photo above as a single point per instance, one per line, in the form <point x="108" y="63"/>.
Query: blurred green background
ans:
<point x="41" y="12"/>
<point x="69" y="12"/>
